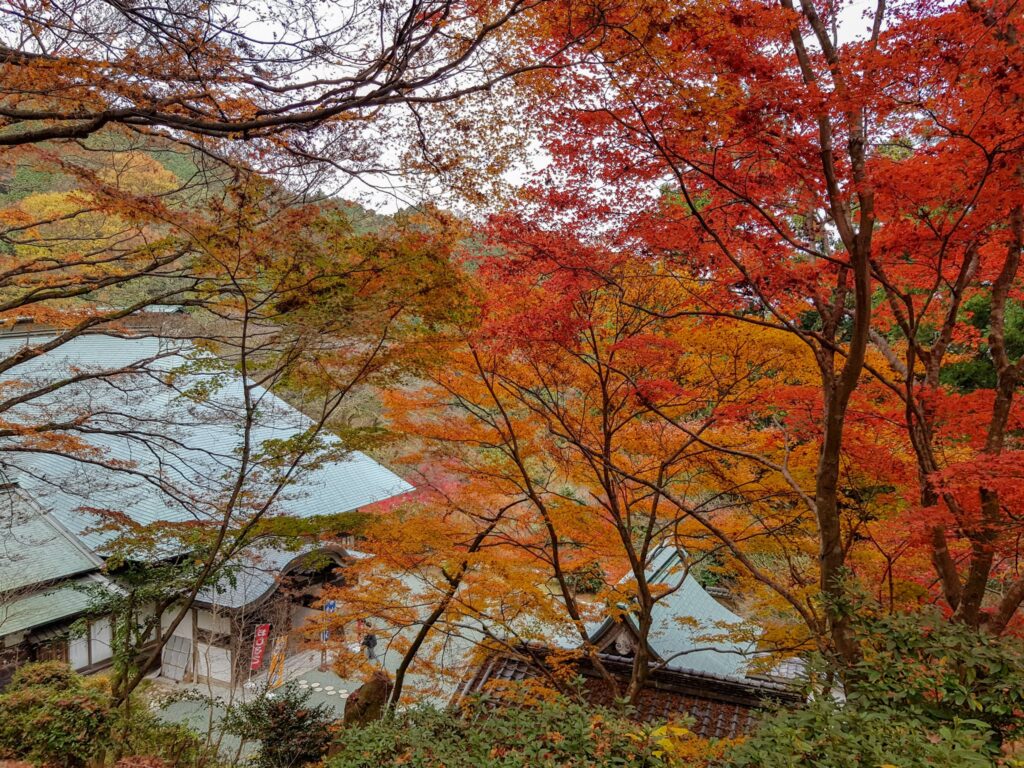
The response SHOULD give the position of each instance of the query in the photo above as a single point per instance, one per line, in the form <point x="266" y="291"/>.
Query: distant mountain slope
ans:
<point x="139" y="164"/>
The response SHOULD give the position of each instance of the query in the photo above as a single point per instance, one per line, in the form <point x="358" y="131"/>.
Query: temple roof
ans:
<point x="34" y="548"/>
<point x="257" y="572"/>
<point x="691" y="629"/>
<point x="720" y="706"/>
<point x="46" y="574"/>
<point x="59" y="603"/>
<point x="162" y="425"/>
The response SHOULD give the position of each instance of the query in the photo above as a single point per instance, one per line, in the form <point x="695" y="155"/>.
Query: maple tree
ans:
<point x="316" y="315"/>
<point x="285" y="293"/>
<point x="829" y="187"/>
<point x="104" y="220"/>
<point x="99" y="102"/>
<point x="564" y="426"/>
<point x="87" y="88"/>
<point x="949" y="269"/>
<point x="763" y="303"/>
<point x="224" y="71"/>
<point x="432" y="586"/>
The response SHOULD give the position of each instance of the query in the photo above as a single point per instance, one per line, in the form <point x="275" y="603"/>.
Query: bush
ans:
<point x="53" y="674"/>
<point x="927" y="692"/>
<point x="940" y="671"/>
<point x="144" y="737"/>
<point x="826" y="734"/>
<point x="290" y="731"/>
<point x="51" y="716"/>
<point x="557" y="733"/>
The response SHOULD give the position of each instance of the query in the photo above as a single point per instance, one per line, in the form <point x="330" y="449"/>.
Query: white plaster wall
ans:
<point x="182" y="630"/>
<point x="213" y="663"/>
<point x="214" y="622"/>
<point x="99" y="639"/>
<point x="78" y="652"/>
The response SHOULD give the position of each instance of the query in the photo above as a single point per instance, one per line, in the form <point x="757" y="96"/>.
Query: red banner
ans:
<point x="259" y="645"/>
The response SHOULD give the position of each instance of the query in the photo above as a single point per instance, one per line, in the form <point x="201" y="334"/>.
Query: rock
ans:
<point x="367" y="703"/>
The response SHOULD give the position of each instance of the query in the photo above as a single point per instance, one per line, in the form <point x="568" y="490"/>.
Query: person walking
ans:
<point x="370" y="644"/>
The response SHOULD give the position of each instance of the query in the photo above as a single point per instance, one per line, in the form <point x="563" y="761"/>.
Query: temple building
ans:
<point x="698" y="667"/>
<point x="149" y="433"/>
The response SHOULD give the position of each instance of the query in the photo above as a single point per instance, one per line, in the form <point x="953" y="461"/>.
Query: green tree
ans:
<point x="291" y="731"/>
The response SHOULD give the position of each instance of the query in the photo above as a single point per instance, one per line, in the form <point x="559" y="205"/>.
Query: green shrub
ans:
<point x="54" y="674"/>
<point x="927" y="692"/>
<point x="49" y="715"/>
<point x="825" y="734"/>
<point x="547" y="734"/>
<point x="143" y="736"/>
<point x="940" y="671"/>
<point x="291" y="732"/>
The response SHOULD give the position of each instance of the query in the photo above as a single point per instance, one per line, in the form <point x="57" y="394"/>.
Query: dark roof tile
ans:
<point x="720" y="707"/>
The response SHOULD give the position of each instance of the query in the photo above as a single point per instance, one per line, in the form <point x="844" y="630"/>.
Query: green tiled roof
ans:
<point x="180" y="448"/>
<point x="35" y="548"/>
<point x="63" y="602"/>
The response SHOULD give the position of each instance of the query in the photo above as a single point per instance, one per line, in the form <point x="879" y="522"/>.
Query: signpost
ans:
<point x="325" y="634"/>
<point x="329" y="607"/>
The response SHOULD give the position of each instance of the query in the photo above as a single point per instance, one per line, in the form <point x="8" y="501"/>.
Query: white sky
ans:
<point x="387" y="194"/>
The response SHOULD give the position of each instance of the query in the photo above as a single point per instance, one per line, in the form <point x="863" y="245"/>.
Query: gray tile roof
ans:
<point x="153" y="452"/>
<point x="34" y="548"/>
<point x="60" y="603"/>
<point x="721" y="706"/>
<point x="700" y="670"/>
<point x="256" y="572"/>
<point x="690" y="628"/>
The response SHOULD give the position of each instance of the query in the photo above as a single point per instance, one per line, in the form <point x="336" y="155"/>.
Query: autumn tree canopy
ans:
<point x="826" y="204"/>
<point x="853" y="182"/>
<point x="136" y="145"/>
<point x="318" y="79"/>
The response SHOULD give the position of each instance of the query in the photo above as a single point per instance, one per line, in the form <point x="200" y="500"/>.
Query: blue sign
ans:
<point x="329" y="607"/>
